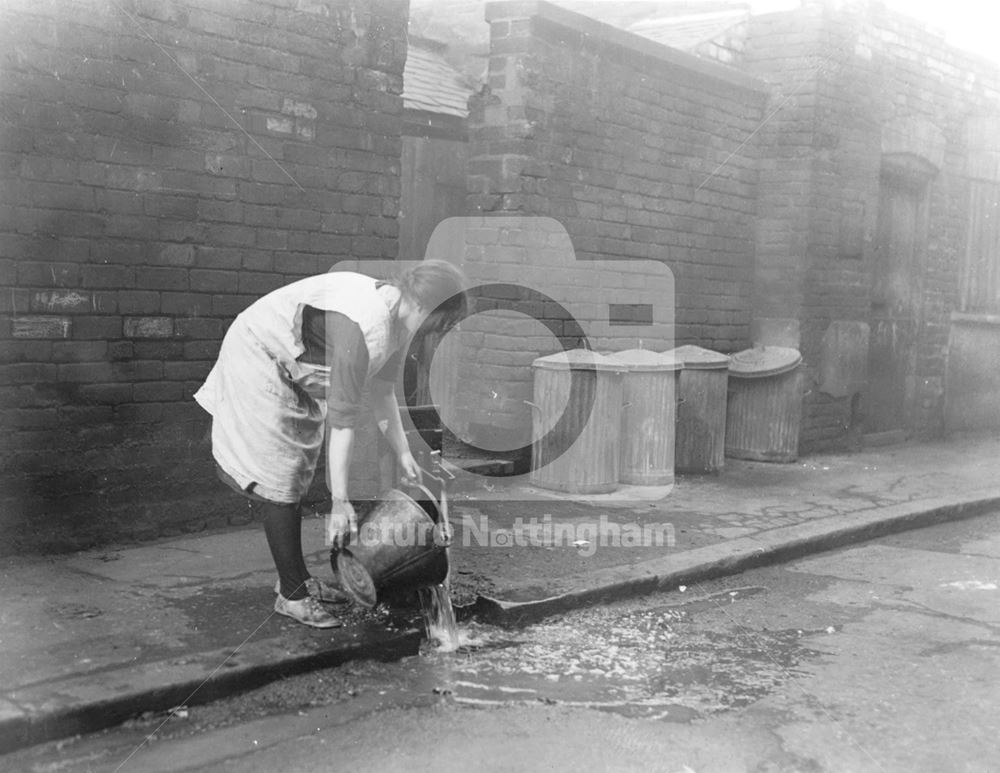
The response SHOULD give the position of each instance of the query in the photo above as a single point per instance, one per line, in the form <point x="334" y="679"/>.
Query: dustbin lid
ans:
<point x="645" y="360"/>
<point x="764" y="361"/>
<point x="693" y="357"/>
<point x="576" y="359"/>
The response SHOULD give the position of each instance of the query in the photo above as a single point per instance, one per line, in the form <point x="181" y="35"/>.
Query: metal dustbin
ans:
<point x="701" y="409"/>
<point x="649" y="389"/>
<point x="578" y="404"/>
<point x="765" y="404"/>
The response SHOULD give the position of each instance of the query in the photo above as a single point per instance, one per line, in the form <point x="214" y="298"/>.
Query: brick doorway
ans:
<point x="901" y="238"/>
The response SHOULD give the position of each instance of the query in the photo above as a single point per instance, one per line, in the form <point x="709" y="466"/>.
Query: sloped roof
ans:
<point x="431" y="84"/>
<point x="687" y="32"/>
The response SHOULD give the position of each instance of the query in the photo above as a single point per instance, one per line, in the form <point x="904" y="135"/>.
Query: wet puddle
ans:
<point x="636" y="659"/>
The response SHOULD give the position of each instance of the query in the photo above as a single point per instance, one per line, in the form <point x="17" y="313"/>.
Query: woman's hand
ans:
<point x="411" y="470"/>
<point x="341" y="523"/>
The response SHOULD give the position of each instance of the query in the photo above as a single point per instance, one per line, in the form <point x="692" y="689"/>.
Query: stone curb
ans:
<point x="733" y="556"/>
<point x="92" y="702"/>
<point x="40" y="714"/>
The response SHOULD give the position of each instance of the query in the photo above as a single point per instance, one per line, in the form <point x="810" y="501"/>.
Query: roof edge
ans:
<point x="501" y="10"/>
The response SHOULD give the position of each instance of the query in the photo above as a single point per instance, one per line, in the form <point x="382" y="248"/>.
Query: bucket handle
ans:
<point x="442" y="506"/>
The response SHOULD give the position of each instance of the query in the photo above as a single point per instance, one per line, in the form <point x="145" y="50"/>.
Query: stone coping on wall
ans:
<point x="966" y="318"/>
<point x="712" y="74"/>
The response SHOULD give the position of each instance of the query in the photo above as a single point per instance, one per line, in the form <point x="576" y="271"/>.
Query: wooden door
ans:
<point x="895" y="304"/>
<point x="433" y="188"/>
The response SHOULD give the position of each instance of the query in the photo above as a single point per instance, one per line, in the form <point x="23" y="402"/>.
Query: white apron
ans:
<point x="268" y="409"/>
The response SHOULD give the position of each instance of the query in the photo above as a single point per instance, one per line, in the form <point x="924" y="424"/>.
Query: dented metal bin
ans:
<point x="649" y="389"/>
<point x="764" y="413"/>
<point x="577" y="438"/>
<point x="701" y="409"/>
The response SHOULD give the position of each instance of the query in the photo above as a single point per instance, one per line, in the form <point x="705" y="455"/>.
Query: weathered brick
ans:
<point x="201" y="350"/>
<point x="298" y="263"/>
<point x="120" y="350"/>
<point x="180" y="207"/>
<point x="34" y="395"/>
<point x="233" y="235"/>
<point x="128" y="226"/>
<point x="79" y="351"/>
<point x="218" y="257"/>
<point x="341" y="223"/>
<point x="15" y="301"/>
<point x="140" y="413"/>
<point x="64" y="301"/>
<point x="205" y="280"/>
<point x="86" y="327"/>
<point x="190" y="370"/>
<point x="31" y="350"/>
<point x="182" y="231"/>
<point x="32" y="273"/>
<point x="258" y="260"/>
<point x="199" y="328"/>
<point x="186" y="303"/>
<point x="41" y="327"/>
<point x="149" y="327"/>
<point x="61" y="196"/>
<point x="268" y="239"/>
<point x="161" y="278"/>
<point x="137" y="370"/>
<point x="107" y="276"/>
<point x="138" y="302"/>
<point x="29" y="418"/>
<point x="86" y="371"/>
<point x="259" y="284"/>
<point x="157" y="391"/>
<point x="49" y="169"/>
<point x="122" y="204"/>
<point x="105" y="394"/>
<point x="176" y="254"/>
<point x="158" y="350"/>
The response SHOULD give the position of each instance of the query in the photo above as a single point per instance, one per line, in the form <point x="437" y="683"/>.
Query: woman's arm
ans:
<point x="385" y="406"/>
<point x="334" y="340"/>
<point x="342" y="521"/>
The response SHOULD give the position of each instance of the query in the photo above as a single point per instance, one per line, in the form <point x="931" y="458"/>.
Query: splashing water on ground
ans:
<point x="439" y="617"/>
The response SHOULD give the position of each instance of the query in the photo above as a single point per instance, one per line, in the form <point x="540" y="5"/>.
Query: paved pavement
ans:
<point x="92" y="638"/>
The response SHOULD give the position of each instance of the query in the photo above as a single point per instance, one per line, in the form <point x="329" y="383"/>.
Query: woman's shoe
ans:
<point x="320" y="591"/>
<point x="307" y="611"/>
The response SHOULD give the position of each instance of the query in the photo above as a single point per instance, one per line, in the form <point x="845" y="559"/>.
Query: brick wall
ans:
<point x="638" y="151"/>
<point x="798" y="284"/>
<point x="165" y="164"/>
<point x="920" y="80"/>
<point x="855" y="84"/>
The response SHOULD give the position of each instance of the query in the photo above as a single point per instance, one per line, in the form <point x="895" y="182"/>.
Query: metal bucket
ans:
<point x="400" y="545"/>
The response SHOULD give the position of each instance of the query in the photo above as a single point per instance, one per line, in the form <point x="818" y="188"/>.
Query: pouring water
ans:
<point x="439" y="617"/>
